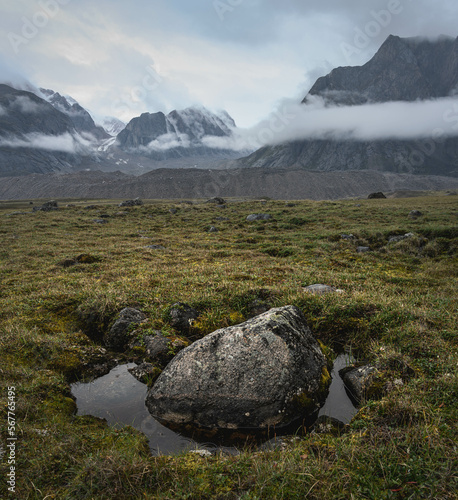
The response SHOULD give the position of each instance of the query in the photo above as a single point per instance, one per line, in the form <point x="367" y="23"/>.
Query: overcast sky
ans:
<point x="123" y="58"/>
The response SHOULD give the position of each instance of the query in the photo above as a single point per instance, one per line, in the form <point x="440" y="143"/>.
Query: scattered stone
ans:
<point x="131" y="203"/>
<point x="91" y="207"/>
<point x="321" y="289"/>
<point x="376" y="196"/>
<point x="254" y="217"/>
<point x="363" y="249"/>
<point x="347" y="236"/>
<point x="100" y="221"/>
<point x="217" y="201"/>
<point x="157" y="348"/>
<point x="359" y="381"/>
<point x="396" y="239"/>
<point x="155" y="247"/>
<point x="145" y="373"/>
<point x="414" y="214"/>
<point x="49" y="206"/>
<point x="182" y="316"/>
<point x="202" y="453"/>
<point x="104" y="216"/>
<point x="213" y="229"/>
<point x="267" y="371"/>
<point x="120" y="333"/>
<point x="173" y="211"/>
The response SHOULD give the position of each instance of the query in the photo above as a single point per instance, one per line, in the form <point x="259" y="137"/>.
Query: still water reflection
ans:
<point x="120" y="398"/>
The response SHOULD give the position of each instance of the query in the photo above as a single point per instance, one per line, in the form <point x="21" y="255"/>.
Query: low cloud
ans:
<point x="24" y="104"/>
<point x="168" y="141"/>
<point x="369" y="122"/>
<point x="65" y="143"/>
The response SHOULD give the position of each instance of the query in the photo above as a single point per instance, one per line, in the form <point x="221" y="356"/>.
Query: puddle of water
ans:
<point x="120" y="398"/>
<point x="338" y="405"/>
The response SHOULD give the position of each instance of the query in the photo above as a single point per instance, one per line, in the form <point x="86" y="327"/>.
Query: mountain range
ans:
<point x="409" y="69"/>
<point x="43" y="132"/>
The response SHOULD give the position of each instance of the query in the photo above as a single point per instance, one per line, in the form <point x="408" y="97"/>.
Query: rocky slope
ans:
<point x="402" y="70"/>
<point x="198" y="183"/>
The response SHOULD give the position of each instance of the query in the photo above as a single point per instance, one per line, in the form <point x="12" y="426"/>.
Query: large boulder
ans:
<point x="267" y="371"/>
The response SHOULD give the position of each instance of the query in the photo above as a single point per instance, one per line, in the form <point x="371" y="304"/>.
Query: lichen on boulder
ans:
<point x="267" y="371"/>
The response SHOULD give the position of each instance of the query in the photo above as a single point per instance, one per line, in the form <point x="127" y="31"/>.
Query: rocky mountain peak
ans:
<point x="178" y="134"/>
<point x="81" y="119"/>
<point x="403" y="69"/>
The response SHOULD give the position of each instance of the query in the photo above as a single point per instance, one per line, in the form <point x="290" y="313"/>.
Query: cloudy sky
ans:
<point x="123" y="58"/>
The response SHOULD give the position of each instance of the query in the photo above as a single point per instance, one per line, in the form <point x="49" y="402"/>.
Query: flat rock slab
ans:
<point x="267" y="371"/>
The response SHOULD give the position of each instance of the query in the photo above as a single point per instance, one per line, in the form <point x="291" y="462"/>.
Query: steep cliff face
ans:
<point x="402" y="70"/>
<point x="178" y="134"/>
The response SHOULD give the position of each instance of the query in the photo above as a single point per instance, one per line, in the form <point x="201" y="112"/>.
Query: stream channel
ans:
<point x="120" y="398"/>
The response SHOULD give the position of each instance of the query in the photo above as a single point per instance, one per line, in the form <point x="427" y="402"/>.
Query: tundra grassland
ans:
<point x="398" y="310"/>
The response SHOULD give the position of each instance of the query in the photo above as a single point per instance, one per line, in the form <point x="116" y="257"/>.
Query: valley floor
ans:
<point x="398" y="310"/>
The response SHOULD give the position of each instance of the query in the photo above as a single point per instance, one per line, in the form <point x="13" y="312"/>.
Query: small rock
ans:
<point x="49" y="206"/>
<point x="202" y="453"/>
<point x="181" y="317"/>
<point x="155" y="247"/>
<point x="91" y="207"/>
<point x="359" y="381"/>
<point x="290" y="205"/>
<point x="321" y="289"/>
<point x="131" y="203"/>
<point x="217" y="201"/>
<point x="223" y="219"/>
<point x="254" y="217"/>
<point x="100" y="221"/>
<point x="173" y="211"/>
<point x="145" y="373"/>
<point x="396" y="239"/>
<point x="119" y="335"/>
<point x="414" y="214"/>
<point x="363" y="249"/>
<point x="347" y="236"/>
<point x="213" y="229"/>
<point x="376" y="196"/>
<point x="158" y="348"/>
